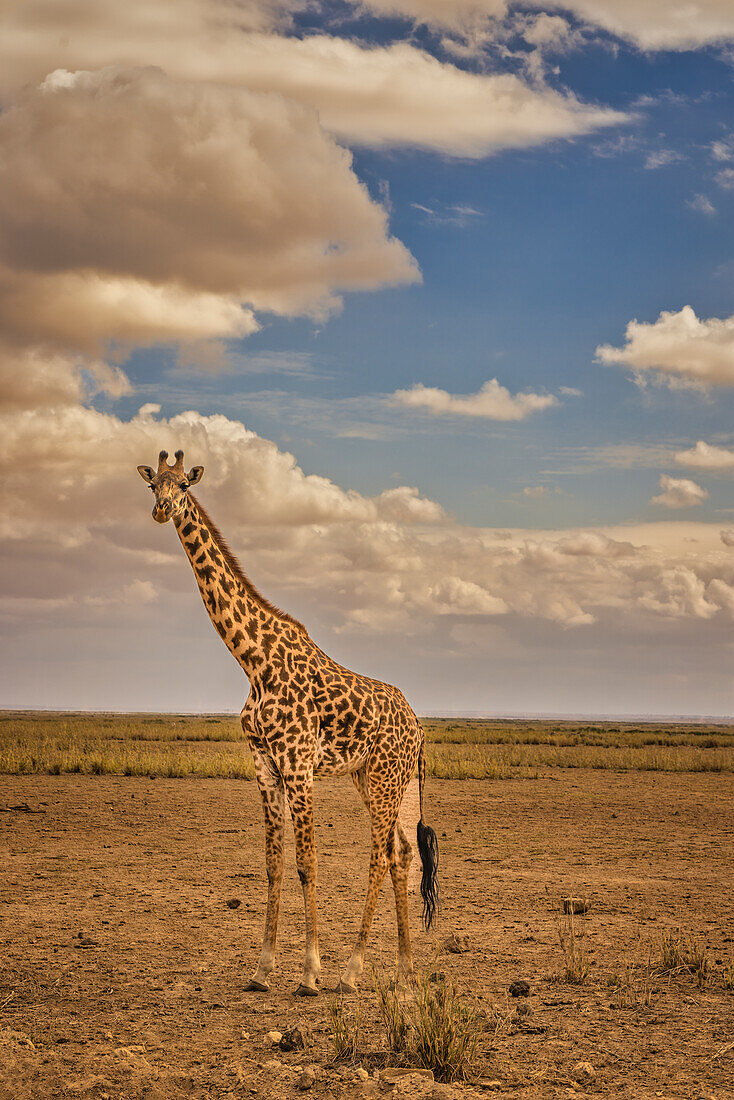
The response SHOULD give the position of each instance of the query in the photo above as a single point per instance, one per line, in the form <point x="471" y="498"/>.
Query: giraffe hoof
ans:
<point x="342" y="987"/>
<point x="256" y="987"/>
<point x="305" y="991"/>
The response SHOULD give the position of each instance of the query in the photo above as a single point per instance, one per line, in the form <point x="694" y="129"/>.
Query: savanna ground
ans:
<point x="123" y="965"/>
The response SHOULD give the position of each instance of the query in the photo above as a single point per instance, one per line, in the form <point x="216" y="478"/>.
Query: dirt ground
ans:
<point x="154" y="1006"/>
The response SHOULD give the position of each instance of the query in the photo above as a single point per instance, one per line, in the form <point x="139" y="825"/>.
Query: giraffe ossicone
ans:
<point x="306" y="715"/>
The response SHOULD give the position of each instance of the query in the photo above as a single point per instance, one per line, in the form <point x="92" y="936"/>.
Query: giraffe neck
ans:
<point x="246" y="623"/>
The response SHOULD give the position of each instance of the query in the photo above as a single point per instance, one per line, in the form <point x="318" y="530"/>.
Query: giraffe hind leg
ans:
<point x="402" y="856"/>
<point x="383" y="802"/>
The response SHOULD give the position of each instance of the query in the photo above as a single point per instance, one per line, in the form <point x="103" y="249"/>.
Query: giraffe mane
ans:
<point x="237" y="569"/>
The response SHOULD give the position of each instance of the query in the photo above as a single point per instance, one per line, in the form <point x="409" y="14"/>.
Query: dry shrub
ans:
<point x="445" y="1030"/>
<point x="436" y="1029"/>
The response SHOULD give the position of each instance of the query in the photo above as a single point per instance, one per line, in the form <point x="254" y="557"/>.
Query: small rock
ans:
<point x="295" y="1038"/>
<point x="307" y="1079"/>
<point x="523" y="1010"/>
<point x="273" y="1065"/>
<point x="233" y="903"/>
<point x="584" y="1071"/>
<point x="272" y="1038"/>
<point x="576" y="905"/>
<point x="361" y="1074"/>
<point x="456" y="945"/>
<point x="519" y="988"/>
<point x="490" y="1083"/>
<point x="392" y="1074"/>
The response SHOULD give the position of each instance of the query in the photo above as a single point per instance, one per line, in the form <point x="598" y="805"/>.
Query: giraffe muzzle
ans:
<point x="162" y="513"/>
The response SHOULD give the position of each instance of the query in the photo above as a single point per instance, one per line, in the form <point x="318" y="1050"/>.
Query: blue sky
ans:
<point x="530" y="260"/>
<point x="533" y="253"/>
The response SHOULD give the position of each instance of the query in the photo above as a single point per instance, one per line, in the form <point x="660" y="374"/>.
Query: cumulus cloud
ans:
<point x="492" y="402"/>
<point x="678" y="348"/>
<point x="679" y="493"/>
<point x="727" y="537"/>
<point x="706" y="457"/>
<point x="370" y="95"/>
<point x="76" y="531"/>
<point x="224" y="197"/>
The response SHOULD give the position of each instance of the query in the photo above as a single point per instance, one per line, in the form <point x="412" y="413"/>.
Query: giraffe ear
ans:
<point x="146" y="473"/>
<point x="195" y="474"/>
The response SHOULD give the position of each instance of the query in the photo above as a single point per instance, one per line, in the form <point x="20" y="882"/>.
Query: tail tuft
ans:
<point x="428" y="849"/>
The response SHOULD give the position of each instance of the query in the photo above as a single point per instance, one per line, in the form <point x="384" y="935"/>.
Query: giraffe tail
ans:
<point x="428" y="850"/>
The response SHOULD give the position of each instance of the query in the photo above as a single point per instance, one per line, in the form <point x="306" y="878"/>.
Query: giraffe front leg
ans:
<point x="270" y="785"/>
<point x="300" y="800"/>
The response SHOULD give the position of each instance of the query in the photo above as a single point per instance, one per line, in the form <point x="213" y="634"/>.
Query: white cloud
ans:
<point x="727" y="537"/>
<point x="679" y="493"/>
<point x="678" y="348"/>
<point x="535" y="492"/>
<point x="32" y="378"/>
<point x="492" y="402"/>
<point x="87" y="310"/>
<point x="110" y="228"/>
<point x="701" y="204"/>
<point x="662" y="158"/>
<point x="659" y="24"/>
<point x="650" y="24"/>
<point x="706" y="457"/>
<point x="394" y="95"/>
<point x="725" y="179"/>
<point x="723" y="150"/>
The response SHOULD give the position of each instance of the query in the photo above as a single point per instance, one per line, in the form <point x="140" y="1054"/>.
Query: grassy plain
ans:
<point x="213" y="746"/>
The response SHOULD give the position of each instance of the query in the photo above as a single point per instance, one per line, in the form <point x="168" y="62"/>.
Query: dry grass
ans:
<point x="632" y="988"/>
<point x="571" y="936"/>
<point x="728" y="974"/>
<point x="392" y="1014"/>
<point x="344" y="1030"/>
<point x="680" y="952"/>
<point x="214" y="746"/>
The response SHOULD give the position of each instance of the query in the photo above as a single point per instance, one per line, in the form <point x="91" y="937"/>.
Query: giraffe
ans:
<point x="306" y="715"/>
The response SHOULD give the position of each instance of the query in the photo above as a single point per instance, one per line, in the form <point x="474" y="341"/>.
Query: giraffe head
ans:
<point x="169" y="484"/>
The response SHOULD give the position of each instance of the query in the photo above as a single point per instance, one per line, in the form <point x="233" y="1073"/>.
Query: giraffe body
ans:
<point x="306" y="715"/>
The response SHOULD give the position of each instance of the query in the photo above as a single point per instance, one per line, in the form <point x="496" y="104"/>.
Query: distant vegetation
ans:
<point x="214" y="746"/>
